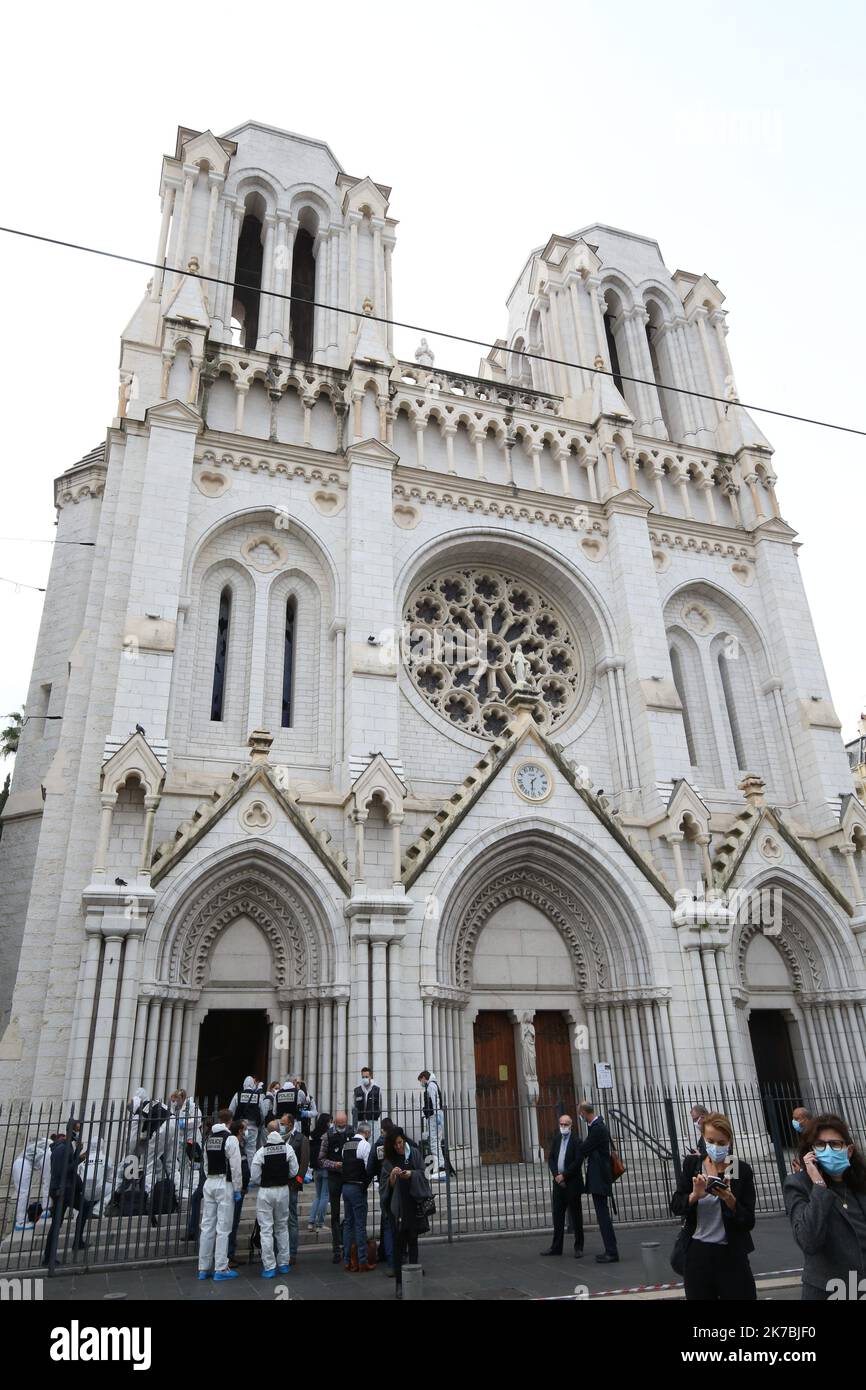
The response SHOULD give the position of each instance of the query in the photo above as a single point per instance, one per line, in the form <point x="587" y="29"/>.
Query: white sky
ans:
<point x="731" y="133"/>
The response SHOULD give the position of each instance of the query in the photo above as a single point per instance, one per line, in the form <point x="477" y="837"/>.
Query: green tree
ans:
<point x="10" y="735"/>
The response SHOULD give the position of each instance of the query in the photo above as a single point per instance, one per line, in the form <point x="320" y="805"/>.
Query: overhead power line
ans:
<point x="433" y="332"/>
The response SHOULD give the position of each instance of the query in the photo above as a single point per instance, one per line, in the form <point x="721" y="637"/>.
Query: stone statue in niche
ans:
<point x="522" y="668"/>
<point x="423" y="355"/>
<point x="527" y="1040"/>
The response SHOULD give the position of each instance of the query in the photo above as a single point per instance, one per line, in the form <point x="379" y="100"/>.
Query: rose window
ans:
<point x="462" y="630"/>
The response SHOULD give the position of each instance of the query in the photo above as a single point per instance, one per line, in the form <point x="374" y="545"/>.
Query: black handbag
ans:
<point x="427" y="1206"/>
<point x="680" y="1250"/>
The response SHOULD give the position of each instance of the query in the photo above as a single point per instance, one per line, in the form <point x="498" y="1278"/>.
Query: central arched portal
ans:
<point x="546" y="973"/>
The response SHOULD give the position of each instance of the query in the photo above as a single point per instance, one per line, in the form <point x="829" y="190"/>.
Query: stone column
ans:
<point x="190" y="175"/>
<point x="173" y="1077"/>
<point x="311" y="1063"/>
<point x="108" y="801"/>
<point x="379" y="1020"/>
<point x="149" y="1067"/>
<point x="215" y="182"/>
<point x="296" y="1058"/>
<point x="340" y="1096"/>
<point x="167" y="210"/>
<point x="187" y="1080"/>
<point x="326" y="1078"/>
<point x="133" y="1081"/>
<point x="84" y="1004"/>
<point x="124" y="1036"/>
<point x="159" y="1079"/>
<point x="100" y="1059"/>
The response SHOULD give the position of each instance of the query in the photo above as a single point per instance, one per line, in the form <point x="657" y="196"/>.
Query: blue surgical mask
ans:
<point x="718" y="1152"/>
<point x="795" y="1124"/>
<point x="833" y="1161"/>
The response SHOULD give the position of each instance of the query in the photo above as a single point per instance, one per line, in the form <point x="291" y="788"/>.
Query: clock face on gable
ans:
<point x="532" y="781"/>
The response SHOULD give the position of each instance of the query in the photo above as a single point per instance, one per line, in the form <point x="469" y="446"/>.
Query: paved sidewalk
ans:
<point x="508" y="1267"/>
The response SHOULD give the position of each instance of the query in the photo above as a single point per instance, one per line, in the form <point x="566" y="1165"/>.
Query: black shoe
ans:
<point x="607" y="1259"/>
<point x="578" y="1254"/>
<point x="398" y="1291"/>
<point x="550" y="1252"/>
<point x="336" y="1259"/>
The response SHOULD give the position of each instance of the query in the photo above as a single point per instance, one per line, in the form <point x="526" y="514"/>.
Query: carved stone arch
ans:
<point x="541" y="891"/>
<point x="783" y="944"/>
<point x="267" y="900"/>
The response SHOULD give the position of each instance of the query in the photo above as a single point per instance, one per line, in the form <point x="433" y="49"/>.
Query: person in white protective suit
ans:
<point x="250" y="1104"/>
<point x="147" y="1141"/>
<point x="31" y="1173"/>
<point x="97" y="1175"/>
<point x="222" y="1188"/>
<point x="184" y="1135"/>
<point x="274" y="1167"/>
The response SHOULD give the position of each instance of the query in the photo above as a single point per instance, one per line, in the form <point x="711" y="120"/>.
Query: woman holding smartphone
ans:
<point x="716" y="1195"/>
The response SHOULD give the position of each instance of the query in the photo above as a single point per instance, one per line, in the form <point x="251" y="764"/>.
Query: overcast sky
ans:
<point x="731" y="133"/>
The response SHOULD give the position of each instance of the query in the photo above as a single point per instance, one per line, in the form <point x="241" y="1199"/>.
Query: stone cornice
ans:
<point x="481" y="497"/>
<point x="290" y="460"/>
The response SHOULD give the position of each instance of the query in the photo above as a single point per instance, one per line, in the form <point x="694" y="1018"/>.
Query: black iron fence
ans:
<point x="128" y="1190"/>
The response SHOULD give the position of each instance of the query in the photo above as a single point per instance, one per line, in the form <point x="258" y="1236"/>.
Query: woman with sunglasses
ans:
<point x="826" y="1204"/>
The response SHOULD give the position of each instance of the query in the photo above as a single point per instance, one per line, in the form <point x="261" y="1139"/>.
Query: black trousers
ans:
<point x="564" y="1202"/>
<point x="715" y="1273"/>
<point x="60" y="1205"/>
<point x="405" y="1249"/>
<point x="335" y="1191"/>
<point x="605" y="1225"/>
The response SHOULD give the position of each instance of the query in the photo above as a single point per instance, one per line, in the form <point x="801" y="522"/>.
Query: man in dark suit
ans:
<point x="595" y="1148"/>
<point x="563" y="1160"/>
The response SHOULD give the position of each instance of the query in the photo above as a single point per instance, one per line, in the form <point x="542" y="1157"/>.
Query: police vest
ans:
<point x="249" y="1106"/>
<point x="368" y="1104"/>
<point x="286" y="1101"/>
<point x="353" y="1169"/>
<point x="377" y="1158"/>
<point x="336" y="1141"/>
<point x="215" y="1155"/>
<point x="275" y="1166"/>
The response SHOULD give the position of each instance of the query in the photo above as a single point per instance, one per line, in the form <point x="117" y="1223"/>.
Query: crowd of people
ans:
<point x="269" y="1142"/>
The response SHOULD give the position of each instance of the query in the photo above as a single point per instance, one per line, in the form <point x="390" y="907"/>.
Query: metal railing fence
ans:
<point x="131" y="1197"/>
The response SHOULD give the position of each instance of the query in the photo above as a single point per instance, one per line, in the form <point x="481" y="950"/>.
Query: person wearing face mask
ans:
<point x="249" y="1104"/>
<point x="274" y="1167"/>
<point x="697" y="1113"/>
<point x="826" y="1205"/>
<point x="564" y="1161"/>
<point x="366" y="1100"/>
<point x="331" y="1160"/>
<point x="800" y="1121"/>
<point x="222" y="1189"/>
<point x="716" y="1196"/>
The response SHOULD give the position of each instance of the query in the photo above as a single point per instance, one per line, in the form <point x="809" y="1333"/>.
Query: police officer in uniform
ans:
<point x="288" y="1100"/>
<point x="374" y="1169"/>
<point x="222" y="1188"/>
<point x="274" y="1167"/>
<point x="249" y="1104"/>
<point x="366" y="1099"/>
<point x="355" y="1153"/>
<point x="331" y="1159"/>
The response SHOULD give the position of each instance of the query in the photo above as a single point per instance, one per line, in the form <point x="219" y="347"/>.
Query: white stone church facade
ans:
<point x="432" y="719"/>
